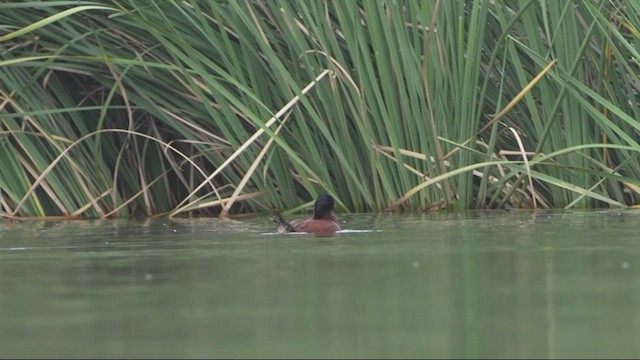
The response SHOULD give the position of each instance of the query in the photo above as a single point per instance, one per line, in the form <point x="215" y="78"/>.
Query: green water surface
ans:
<point x="478" y="284"/>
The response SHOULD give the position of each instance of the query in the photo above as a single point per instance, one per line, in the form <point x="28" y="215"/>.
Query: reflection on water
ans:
<point x="477" y="284"/>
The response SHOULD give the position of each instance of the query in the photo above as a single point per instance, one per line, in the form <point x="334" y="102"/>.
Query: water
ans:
<point x="477" y="284"/>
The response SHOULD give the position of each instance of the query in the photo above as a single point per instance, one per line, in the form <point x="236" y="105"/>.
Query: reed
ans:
<point x="136" y="108"/>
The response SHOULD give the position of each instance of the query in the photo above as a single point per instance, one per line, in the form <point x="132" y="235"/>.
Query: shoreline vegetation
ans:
<point x="127" y="108"/>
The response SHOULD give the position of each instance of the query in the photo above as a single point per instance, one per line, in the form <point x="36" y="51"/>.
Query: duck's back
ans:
<point x="316" y="226"/>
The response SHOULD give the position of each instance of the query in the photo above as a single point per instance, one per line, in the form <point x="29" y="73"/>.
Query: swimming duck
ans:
<point x="323" y="222"/>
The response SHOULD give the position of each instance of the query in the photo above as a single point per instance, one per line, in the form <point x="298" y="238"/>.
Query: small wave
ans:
<point x="345" y="231"/>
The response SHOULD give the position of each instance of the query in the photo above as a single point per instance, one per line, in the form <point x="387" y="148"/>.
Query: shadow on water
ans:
<point x="473" y="284"/>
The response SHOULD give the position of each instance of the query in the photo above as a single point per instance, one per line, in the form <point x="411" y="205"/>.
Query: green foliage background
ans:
<point x="135" y="107"/>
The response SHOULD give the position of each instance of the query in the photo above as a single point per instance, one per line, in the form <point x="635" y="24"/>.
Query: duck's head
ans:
<point x="323" y="206"/>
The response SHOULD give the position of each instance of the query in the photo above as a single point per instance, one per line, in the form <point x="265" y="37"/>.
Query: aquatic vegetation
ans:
<point x="130" y="107"/>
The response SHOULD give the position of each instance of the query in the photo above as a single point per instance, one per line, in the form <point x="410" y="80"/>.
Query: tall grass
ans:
<point x="132" y="107"/>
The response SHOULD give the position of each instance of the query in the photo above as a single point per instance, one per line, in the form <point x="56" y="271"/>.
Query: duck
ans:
<point x="323" y="222"/>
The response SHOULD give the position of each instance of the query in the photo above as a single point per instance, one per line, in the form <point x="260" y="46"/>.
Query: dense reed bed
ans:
<point x="140" y="108"/>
